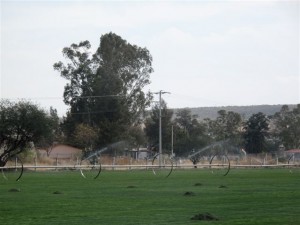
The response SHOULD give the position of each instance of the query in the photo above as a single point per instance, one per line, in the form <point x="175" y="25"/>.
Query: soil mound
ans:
<point x="189" y="193"/>
<point x="204" y="216"/>
<point x="14" y="190"/>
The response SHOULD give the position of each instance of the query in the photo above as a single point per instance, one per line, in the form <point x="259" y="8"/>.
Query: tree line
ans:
<point x="259" y="133"/>
<point x="245" y="111"/>
<point x="107" y="99"/>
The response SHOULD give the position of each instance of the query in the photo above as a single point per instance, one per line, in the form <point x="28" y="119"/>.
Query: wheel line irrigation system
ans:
<point x="20" y="169"/>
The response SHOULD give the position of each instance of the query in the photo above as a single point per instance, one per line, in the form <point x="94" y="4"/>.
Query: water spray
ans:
<point x="224" y="147"/>
<point x="97" y="154"/>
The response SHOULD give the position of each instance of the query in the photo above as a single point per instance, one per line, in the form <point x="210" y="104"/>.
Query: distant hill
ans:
<point x="245" y="111"/>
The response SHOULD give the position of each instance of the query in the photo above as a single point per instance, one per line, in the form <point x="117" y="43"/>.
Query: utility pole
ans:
<point x="160" y="128"/>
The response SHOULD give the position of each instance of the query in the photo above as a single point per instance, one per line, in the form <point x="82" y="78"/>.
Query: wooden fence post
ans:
<point x="35" y="162"/>
<point x="16" y="163"/>
<point x="56" y="161"/>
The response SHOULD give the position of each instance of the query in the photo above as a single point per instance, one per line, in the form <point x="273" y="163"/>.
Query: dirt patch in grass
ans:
<point x="189" y="193"/>
<point x="14" y="190"/>
<point x="204" y="216"/>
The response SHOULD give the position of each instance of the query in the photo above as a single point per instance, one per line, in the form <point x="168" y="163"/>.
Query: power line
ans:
<point x="100" y="96"/>
<point x="49" y="98"/>
<point x="30" y="98"/>
<point x="93" y="112"/>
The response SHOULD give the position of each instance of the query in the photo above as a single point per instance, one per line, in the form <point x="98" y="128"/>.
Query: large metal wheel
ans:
<point x="90" y="169"/>
<point x="224" y="167"/>
<point x="13" y="169"/>
<point x="167" y="165"/>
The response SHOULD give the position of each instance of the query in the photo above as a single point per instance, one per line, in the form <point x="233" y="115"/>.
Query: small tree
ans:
<point x="226" y="126"/>
<point x="287" y="126"/>
<point x="256" y="130"/>
<point x="85" y="137"/>
<point x="189" y="133"/>
<point x="136" y="137"/>
<point x="21" y="124"/>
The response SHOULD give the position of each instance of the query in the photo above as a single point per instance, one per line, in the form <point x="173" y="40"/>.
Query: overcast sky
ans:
<point x="206" y="53"/>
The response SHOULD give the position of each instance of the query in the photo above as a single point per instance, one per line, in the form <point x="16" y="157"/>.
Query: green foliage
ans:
<point x="152" y="127"/>
<point x="105" y="89"/>
<point x="136" y="137"/>
<point x="256" y="131"/>
<point x="22" y="124"/>
<point x="226" y="126"/>
<point x="27" y="156"/>
<point x="245" y="111"/>
<point x="55" y="134"/>
<point x="85" y="137"/>
<point x="287" y="126"/>
<point x="189" y="133"/>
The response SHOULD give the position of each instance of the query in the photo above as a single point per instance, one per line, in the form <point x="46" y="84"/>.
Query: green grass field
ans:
<point x="244" y="196"/>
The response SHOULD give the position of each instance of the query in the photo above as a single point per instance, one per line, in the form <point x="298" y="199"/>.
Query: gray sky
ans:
<point x="206" y="53"/>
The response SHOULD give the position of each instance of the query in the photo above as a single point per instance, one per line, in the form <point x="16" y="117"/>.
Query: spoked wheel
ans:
<point x="290" y="162"/>
<point x="13" y="169"/>
<point x="166" y="167"/>
<point x="223" y="167"/>
<point x="290" y="159"/>
<point x="90" y="169"/>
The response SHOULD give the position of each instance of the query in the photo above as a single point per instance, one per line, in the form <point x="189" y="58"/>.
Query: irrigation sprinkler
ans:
<point x="92" y="161"/>
<point x="221" y="148"/>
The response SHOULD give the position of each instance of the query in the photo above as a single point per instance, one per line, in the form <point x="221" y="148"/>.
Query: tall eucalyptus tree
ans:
<point x="105" y="89"/>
